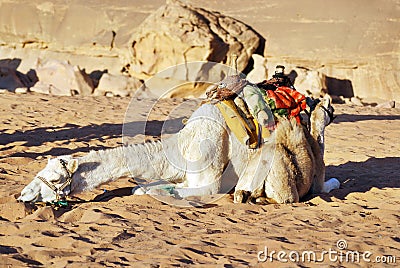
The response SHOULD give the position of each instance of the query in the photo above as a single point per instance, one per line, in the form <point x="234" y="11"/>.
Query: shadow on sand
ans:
<point x="359" y="117"/>
<point x="361" y="177"/>
<point x="75" y="133"/>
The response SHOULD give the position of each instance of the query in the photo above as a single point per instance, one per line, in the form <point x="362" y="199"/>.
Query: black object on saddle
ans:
<point x="279" y="79"/>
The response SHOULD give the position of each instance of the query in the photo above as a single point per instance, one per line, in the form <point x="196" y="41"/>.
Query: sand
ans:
<point x="114" y="228"/>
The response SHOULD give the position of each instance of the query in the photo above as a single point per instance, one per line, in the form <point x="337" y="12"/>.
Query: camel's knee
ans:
<point x="330" y="185"/>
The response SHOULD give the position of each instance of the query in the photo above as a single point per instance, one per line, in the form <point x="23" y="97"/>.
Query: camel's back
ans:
<point x="205" y="136"/>
<point x="207" y="111"/>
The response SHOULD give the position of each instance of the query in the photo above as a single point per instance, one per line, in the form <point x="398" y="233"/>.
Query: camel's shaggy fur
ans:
<point x="297" y="168"/>
<point x="204" y="158"/>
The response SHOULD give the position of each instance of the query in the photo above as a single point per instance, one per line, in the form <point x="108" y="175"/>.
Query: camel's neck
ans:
<point x="318" y="129"/>
<point x="98" y="167"/>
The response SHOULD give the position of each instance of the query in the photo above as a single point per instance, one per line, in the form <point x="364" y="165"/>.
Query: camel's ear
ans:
<point x="326" y="101"/>
<point x="72" y="165"/>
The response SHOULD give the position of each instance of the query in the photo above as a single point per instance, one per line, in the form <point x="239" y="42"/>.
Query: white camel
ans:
<point x="203" y="158"/>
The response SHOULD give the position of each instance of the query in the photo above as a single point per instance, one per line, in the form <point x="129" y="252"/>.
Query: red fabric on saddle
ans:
<point x="290" y="99"/>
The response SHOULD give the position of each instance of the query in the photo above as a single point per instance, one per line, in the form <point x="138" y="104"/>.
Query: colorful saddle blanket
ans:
<point x="286" y="102"/>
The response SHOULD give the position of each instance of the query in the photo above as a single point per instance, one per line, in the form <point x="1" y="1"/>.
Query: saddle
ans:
<point x="282" y="100"/>
<point x="235" y="111"/>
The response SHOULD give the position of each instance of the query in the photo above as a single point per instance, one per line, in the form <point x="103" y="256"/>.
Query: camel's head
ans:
<point x="323" y="112"/>
<point x="51" y="183"/>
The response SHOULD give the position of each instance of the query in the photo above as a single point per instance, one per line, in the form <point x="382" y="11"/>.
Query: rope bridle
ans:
<point x="330" y="113"/>
<point x="313" y="104"/>
<point x="59" y="190"/>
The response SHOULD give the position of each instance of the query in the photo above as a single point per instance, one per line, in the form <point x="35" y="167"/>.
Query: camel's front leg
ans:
<point x="202" y="183"/>
<point x="251" y="181"/>
<point x="180" y="190"/>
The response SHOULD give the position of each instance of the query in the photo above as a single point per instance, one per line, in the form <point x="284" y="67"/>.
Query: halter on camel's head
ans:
<point x="329" y="110"/>
<point x="59" y="190"/>
<point x="325" y="104"/>
<point x="54" y="182"/>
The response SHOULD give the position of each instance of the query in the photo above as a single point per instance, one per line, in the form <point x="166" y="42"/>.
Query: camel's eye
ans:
<point x="55" y="180"/>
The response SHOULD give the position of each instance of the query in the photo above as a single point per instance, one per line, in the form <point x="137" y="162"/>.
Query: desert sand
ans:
<point x="114" y="228"/>
<point x="352" y="42"/>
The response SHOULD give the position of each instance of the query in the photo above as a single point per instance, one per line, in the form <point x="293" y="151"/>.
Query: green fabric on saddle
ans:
<point x="276" y="112"/>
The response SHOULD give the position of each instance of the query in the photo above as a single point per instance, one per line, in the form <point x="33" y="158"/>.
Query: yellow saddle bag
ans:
<point x="245" y="129"/>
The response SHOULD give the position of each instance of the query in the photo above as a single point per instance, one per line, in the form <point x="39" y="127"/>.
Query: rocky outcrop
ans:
<point x="178" y="33"/>
<point x="357" y="59"/>
<point x="116" y="85"/>
<point x="307" y="81"/>
<point x="10" y="78"/>
<point x="259" y="72"/>
<point x="61" y="78"/>
<point x="374" y="79"/>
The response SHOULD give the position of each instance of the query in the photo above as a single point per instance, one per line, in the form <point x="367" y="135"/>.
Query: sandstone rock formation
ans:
<point x="10" y="78"/>
<point x="260" y="71"/>
<point x="61" y="78"/>
<point x="387" y="104"/>
<point x="307" y="81"/>
<point x="116" y="85"/>
<point x="358" y="54"/>
<point x="178" y="33"/>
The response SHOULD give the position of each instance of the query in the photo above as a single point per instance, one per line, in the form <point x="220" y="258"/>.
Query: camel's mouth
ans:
<point x="34" y="192"/>
<point x="35" y="199"/>
<point x="27" y="195"/>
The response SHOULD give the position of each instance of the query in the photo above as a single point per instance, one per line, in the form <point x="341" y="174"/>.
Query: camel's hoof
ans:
<point x="261" y="201"/>
<point x="241" y="196"/>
